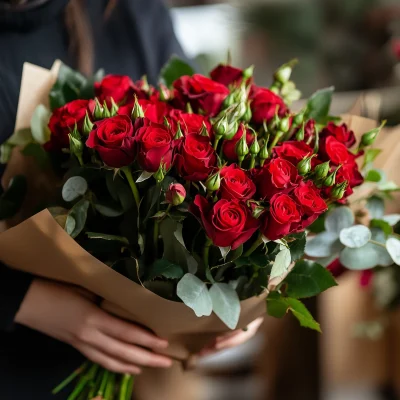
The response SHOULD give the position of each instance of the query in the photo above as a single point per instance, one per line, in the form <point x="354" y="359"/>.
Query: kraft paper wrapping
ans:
<point x="38" y="245"/>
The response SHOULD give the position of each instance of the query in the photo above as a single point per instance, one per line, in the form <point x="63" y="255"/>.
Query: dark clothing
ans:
<point x="137" y="39"/>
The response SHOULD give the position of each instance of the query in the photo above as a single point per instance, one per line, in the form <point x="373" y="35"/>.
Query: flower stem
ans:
<point x="252" y="162"/>
<point x="132" y="185"/>
<point x="109" y="392"/>
<point x="103" y="384"/>
<point x="125" y="391"/>
<point x="206" y="252"/>
<point x="70" y="378"/>
<point x="377" y="243"/>
<point x="254" y="246"/>
<point x="216" y="141"/>
<point x="278" y="135"/>
<point x="83" y="382"/>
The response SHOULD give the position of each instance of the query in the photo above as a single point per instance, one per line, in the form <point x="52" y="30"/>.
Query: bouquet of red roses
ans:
<point x="198" y="191"/>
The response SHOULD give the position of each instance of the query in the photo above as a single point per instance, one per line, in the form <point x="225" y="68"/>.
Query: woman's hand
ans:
<point x="67" y="314"/>
<point x="232" y="339"/>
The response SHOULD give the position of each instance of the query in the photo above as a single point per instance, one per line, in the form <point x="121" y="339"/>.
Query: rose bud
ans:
<point x="106" y="111"/>
<point x="338" y="190"/>
<point x="255" y="147"/>
<point x="221" y="126"/>
<point x="304" y="166"/>
<point x="204" y="131"/>
<point x="114" y="108"/>
<point x="159" y="175"/>
<point x="248" y="72"/>
<point x="282" y="74"/>
<point x="284" y="124"/>
<point x="322" y="170"/>
<point x="98" y="112"/>
<point x="178" y="133"/>
<point x="263" y="154"/>
<point x="137" y="111"/>
<point x="213" y="182"/>
<point x="176" y="194"/>
<point x="75" y="144"/>
<point x="369" y="137"/>
<point x="165" y="94"/>
<point x="241" y="148"/>
<point x="300" y="133"/>
<point x="298" y="118"/>
<point x="248" y="114"/>
<point x="87" y="125"/>
<point x="331" y="178"/>
<point x="229" y="101"/>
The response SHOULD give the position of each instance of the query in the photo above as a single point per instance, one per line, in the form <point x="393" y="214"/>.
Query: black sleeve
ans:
<point x="13" y="284"/>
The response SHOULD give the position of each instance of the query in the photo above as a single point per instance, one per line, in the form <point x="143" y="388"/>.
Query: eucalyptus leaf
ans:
<point x="338" y="219"/>
<point x="70" y="224"/>
<point x="39" y="121"/>
<point x="108" y="211"/>
<point x="144" y="176"/>
<point x="356" y="236"/>
<point x="105" y="236"/>
<point x="20" y="137"/>
<point x="322" y="245"/>
<point x="308" y="279"/>
<point x="392" y="219"/>
<point x="281" y="264"/>
<point x="361" y="258"/>
<point x="225" y="304"/>
<point x="79" y="213"/>
<point x="194" y="293"/>
<point x="382" y="225"/>
<point x="393" y="247"/>
<point x="224" y="251"/>
<point x="384" y="257"/>
<point x="73" y="188"/>
<point x="376" y="207"/>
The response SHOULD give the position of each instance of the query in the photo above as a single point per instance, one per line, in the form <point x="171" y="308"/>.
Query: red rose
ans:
<point x="201" y="92"/>
<point x="264" y="104"/>
<point x="226" y="74"/>
<point x="154" y="145"/>
<point x="229" y="146"/>
<point x="228" y="223"/>
<point x="119" y="87"/>
<point x="195" y="158"/>
<point x="293" y="151"/>
<point x="175" y="194"/>
<point x="155" y="111"/>
<point x="283" y="217"/>
<point x="113" y="139"/>
<point x="340" y="133"/>
<point x="235" y="184"/>
<point x="276" y="176"/>
<point x="63" y="121"/>
<point x="189" y="123"/>
<point x="309" y="198"/>
<point x="335" y="151"/>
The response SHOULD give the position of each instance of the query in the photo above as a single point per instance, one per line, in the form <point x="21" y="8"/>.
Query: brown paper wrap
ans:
<point x="41" y="247"/>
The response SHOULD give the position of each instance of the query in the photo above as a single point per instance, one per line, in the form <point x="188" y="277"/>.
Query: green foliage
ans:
<point x="76" y="218"/>
<point x="165" y="268"/>
<point x="319" y="103"/>
<point x="278" y="306"/>
<point x="174" y="69"/>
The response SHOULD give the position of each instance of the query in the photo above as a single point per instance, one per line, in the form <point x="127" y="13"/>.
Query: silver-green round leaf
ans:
<point x="393" y="247"/>
<point x="356" y="236"/>
<point x="73" y="188"/>
<point x="365" y="257"/>
<point x="338" y="219"/>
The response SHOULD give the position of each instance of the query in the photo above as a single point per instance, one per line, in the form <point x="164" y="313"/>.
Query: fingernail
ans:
<point x="166" y="363"/>
<point x="162" y="344"/>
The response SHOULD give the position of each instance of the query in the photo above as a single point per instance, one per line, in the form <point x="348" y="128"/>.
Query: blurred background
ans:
<point x="353" y="45"/>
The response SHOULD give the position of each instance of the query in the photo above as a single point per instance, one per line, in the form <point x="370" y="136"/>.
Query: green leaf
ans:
<point x="370" y="155"/>
<point x="297" y="247"/>
<point x="36" y="151"/>
<point x="281" y="263"/>
<point x="376" y="207"/>
<point x="166" y="269"/>
<point x="278" y="306"/>
<point x="13" y="197"/>
<point x="356" y="236"/>
<point x="174" y="69"/>
<point x="21" y="137"/>
<point x="39" y="121"/>
<point x="365" y="257"/>
<point x="382" y="225"/>
<point x="319" y="103"/>
<point x="78" y="213"/>
<point x="338" y="219"/>
<point x="393" y="247"/>
<point x="392" y="219"/>
<point x="324" y="244"/>
<point x="119" y="191"/>
<point x="73" y="188"/>
<point x="373" y="176"/>
<point x="225" y="303"/>
<point x="308" y="279"/>
<point x="194" y="293"/>
<point x="318" y="225"/>
<point x="105" y="236"/>
<point x="109" y="210"/>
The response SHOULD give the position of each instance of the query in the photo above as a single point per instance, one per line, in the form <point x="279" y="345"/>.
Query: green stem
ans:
<point x="216" y="141"/>
<point x="103" y="384"/>
<point x="277" y="136"/>
<point x="206" y="252"/>
<point x="124" y="389"/>
<point x="252" y="162"/>
<point x="253" y="246"/>
<point x="132" y="185"/>
<point x="83" y="382"/>
<point x="377" y="243"/>
<point x="109" y="392"/>
<point x="130" y="388"/>
<point x="80" y="159"/>
<point x="70" y="378"/>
